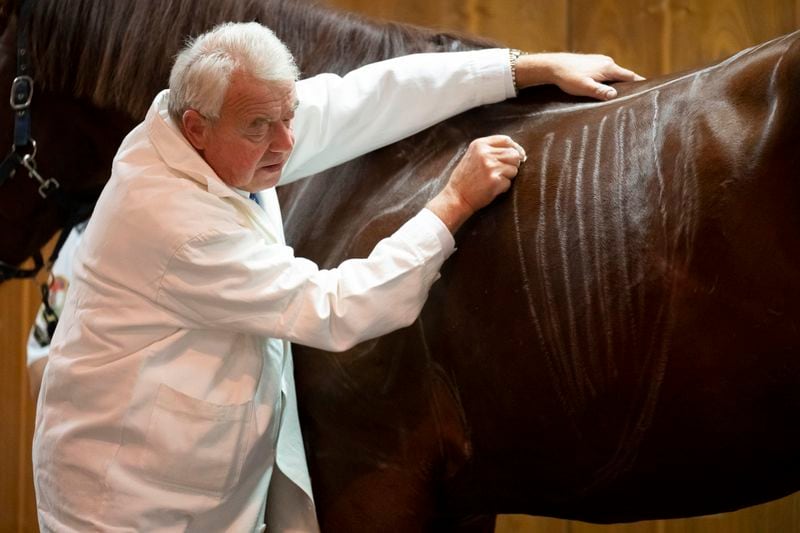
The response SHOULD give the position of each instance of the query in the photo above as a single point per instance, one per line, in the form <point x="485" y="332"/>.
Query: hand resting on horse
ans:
<point x="576" y="74"/>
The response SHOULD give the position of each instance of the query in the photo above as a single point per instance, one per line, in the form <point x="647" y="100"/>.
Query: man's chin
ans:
<point x="265" y="178"/>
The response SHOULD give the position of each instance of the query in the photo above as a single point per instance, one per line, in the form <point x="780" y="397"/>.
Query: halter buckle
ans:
<point x="21" y="93"/>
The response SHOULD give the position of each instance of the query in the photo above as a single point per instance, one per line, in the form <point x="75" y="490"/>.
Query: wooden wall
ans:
<point x="650" y="36"/>
<point x="18" y="304"/>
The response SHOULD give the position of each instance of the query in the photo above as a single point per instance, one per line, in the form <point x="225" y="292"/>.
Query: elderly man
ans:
<point x="168" y="402"/>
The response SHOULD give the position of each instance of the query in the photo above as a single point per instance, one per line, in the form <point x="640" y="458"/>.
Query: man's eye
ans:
<point x="258" y="130"/>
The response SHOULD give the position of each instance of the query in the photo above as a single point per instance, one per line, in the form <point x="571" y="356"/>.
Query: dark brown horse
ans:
<point x="616" y="339"/>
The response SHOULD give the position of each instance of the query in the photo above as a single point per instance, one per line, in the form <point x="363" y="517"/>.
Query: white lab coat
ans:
<point x="169" y="395"/>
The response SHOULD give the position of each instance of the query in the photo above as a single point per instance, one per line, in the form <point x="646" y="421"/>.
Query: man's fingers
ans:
<point x="496" y="140"/>
<point x="508" y="171"/>
<point x="600" y="91"/>
<point x="504" y="185"/>
<point x="513" y="155"/>
<point x="523" y="156"/>
<point x="503" y="141"/>
<point x="623" y="74"/>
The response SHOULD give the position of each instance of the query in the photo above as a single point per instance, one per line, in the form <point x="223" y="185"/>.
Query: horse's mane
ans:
<point x="118" y="54"/>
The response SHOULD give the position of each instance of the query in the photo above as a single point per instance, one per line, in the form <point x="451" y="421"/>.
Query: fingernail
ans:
<point x="611" y="93"/>
<point x="520" y="150"/>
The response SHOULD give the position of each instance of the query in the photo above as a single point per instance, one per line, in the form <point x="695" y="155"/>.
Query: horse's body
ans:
<point x="615" y="339"/>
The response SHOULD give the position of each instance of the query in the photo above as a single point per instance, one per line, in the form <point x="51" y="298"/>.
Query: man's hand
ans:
<point x="485" y="171"/>
<point x="577" y="74"/>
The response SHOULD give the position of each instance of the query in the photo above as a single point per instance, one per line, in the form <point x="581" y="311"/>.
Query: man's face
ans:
<point x="250" y="142"/>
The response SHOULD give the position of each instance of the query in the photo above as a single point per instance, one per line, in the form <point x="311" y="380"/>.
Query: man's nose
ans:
<point x="284" y="138"/>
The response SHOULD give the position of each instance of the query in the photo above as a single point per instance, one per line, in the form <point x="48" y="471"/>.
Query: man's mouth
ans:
<point x="274" y="167"/>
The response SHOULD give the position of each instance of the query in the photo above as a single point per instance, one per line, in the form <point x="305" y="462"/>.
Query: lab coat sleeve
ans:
<point x="232" y="280"/>
<point x="340" y="118"/>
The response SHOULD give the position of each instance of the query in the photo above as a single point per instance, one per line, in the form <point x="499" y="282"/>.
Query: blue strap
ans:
<point x="22" y="89"/>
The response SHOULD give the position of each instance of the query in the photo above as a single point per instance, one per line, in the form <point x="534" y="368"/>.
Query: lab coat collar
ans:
<point x="176" y="151"/>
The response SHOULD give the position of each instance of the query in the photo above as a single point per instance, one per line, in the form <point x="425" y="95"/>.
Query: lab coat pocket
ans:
<point x="194" y="444"/>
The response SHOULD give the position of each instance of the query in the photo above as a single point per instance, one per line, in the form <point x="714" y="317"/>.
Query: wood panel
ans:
<point x="651" y="36"/>
<point x="632" y="32"/>
<point x="664" y="36"/>
<point x="18" y="302"/>
<point x="781" y="516"/>
<point x="422" y="12"/>
<point x="529" y="524"/>
<point x="535" y="25"/>
<point x="526" y="24"/>
<point x="705" y="31"/>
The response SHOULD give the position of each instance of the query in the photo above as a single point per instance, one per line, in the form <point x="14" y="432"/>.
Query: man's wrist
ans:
<point x="451" y="209"/>
<point x="534" y="69"/>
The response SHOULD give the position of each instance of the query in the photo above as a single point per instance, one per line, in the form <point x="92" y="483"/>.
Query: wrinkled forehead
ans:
<point x="247" y="94"/>
<point x="286" y="91"/>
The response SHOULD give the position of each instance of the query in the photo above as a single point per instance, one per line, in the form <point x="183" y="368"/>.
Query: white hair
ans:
<point x="202" y="70"/>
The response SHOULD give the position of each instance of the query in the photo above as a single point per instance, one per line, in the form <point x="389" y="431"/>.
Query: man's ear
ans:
<point x="195" y="128"/>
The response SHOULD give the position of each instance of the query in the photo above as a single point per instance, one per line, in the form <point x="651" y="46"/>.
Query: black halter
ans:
<point x="23" y="155"/>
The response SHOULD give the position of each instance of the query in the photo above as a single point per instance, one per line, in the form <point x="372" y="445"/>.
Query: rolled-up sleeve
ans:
<point x="233" y="280"/>
<point x="340" y="118"/>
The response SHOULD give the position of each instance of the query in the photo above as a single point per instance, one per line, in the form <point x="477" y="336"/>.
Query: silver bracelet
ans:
<point x="513" y="57"/>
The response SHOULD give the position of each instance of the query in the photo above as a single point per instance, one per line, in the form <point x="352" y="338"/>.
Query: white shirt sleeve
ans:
<point x="231" y="279"/>
<point x="340" y="118"/>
